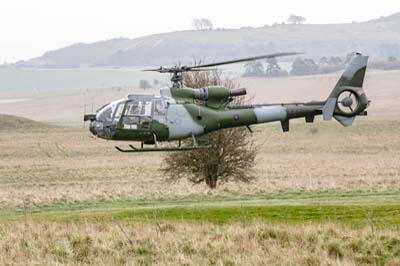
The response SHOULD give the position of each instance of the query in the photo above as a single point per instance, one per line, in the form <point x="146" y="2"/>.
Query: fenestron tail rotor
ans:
<point x="178" y="70"/>
<point x="347" y="102"/>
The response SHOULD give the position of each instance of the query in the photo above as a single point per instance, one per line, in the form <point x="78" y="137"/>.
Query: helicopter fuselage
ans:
<point x="179" y="113"/>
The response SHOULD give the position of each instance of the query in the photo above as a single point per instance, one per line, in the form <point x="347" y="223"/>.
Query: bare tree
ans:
<point x="196" y="24"/>
<point x="294" y="19"/>
<point x="232" y="153"/>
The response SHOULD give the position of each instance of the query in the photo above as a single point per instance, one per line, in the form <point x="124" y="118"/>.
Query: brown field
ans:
<point x="64" y="164"/>
<point x="60" y="189"/>
<point x="136" y="243"/>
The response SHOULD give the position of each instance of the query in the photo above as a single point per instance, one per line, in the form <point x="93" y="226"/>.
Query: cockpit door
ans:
<point x="137" y="114"/>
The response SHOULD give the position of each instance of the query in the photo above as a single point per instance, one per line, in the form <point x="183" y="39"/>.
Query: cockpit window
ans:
<point x="138" y="108"/>
<point x="114" y="109"/>
<point x="118" y="112"/>
<point x="105" y="114"/>
<point x="133" y="108"/>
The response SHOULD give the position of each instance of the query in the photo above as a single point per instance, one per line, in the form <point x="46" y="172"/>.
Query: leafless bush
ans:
<point x="232" y="152"/>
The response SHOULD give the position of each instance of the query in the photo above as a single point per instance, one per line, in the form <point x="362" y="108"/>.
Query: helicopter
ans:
<point x="181" y="112"/>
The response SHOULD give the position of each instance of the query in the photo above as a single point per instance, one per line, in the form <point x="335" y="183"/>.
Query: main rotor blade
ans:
<point x="160" y="69"/>
<point x="172" y="70"/>
<point x="154" y="69"/>
<point x="204" y="69"/>
<point x="243" y="60"/>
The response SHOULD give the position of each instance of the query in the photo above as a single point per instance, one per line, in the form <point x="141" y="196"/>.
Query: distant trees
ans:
<point x="273" y="69"/>
<point x="309" y="66"/>
<point x="304" y="67"/>
<point x="294" y="19"/>
<point x="329" y="65"/>
<point x="256" y="69"/>
<point x="202" y="24"/>
<point x="253" y="69"/>
<point x="300" y="67"/>
<point x="390" y="64"/>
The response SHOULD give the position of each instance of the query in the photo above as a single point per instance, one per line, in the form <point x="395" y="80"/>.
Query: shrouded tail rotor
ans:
<point x="348" y="102"/>
<point x="348" y="98"/>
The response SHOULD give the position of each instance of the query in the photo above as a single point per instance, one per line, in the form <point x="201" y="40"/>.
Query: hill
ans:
<point x="379" y="38"/>
<point x="394" y="18"/>
<point x="11" y="122"/>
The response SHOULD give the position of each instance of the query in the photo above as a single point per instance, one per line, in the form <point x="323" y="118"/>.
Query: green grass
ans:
<point x="381" y="209"/>
<point x="357" y="216"/>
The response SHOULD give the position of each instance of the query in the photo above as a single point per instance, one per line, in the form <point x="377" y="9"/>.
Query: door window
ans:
<point x="137" y="114"/>
<point x="159" y="108"/>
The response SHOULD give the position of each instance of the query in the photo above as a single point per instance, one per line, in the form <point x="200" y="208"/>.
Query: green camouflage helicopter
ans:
<point x="181" y="112"/>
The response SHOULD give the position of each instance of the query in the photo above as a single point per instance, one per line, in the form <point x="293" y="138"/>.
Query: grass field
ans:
<point x="321" y="195"/>
<point x="61" y="164"/>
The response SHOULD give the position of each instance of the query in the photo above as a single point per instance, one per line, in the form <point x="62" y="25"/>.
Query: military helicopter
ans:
<point x="181" y="112"/>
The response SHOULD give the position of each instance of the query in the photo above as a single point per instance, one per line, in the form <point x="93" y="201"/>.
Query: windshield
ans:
<point x="111" y="112"/>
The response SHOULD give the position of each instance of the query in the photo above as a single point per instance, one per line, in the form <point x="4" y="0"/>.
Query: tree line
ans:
<point x="309" y="66"/>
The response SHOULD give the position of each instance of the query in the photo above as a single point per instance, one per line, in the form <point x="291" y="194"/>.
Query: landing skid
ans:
<point x="156" y="148"/>
<point x="134" y="149"/>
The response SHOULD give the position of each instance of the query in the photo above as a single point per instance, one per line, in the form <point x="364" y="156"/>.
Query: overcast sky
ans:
<point x="29" y="28"/>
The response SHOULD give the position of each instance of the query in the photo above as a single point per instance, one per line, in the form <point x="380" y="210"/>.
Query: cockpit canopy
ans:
<point x="135" y="106"/>
<point x="111" y="112"/>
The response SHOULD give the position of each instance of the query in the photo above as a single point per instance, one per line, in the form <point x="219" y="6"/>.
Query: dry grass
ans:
<point x="41" y="165"/>
<point x="63" y="164"/>
<point x="150" y="243"/>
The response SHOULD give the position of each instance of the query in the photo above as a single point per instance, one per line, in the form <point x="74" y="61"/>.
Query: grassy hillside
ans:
<point x="379" y="38"/>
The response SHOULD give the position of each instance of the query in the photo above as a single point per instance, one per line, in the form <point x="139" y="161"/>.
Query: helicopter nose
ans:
<point x="92" y="129"/>
<point x="102" y="130"/>
<point x="96" y="128"/>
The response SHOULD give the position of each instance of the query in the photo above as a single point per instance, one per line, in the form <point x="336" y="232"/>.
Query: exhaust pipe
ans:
<point x="237" y="92"/>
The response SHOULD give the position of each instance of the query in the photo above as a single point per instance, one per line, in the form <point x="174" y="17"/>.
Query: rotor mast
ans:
<point x="177" y="80"/>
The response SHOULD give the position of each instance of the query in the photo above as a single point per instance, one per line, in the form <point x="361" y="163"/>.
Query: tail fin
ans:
<point x="351" y="81"/>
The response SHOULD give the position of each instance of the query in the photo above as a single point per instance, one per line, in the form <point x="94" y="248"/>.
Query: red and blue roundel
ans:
<point x="236" y="117"/>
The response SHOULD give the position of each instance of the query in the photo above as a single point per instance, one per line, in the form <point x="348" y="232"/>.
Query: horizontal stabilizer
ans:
<point x="345" y="121"/>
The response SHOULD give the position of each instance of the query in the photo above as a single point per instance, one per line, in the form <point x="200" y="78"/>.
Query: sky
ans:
<point x="30" y="28"/>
